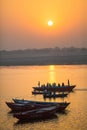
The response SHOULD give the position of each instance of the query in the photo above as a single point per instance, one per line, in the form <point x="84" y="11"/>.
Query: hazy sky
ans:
<point x="24" y="23"/>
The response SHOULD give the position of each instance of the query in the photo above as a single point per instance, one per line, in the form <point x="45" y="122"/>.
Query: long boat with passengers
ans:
<point x="54" y="87"/>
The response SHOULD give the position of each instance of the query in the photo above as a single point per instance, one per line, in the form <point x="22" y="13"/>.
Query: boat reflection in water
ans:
<point x="50" y="95"/>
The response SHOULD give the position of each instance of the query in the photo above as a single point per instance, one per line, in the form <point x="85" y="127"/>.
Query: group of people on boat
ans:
<point x="52" y="85"/>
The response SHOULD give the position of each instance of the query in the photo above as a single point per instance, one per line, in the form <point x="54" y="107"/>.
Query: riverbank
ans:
<point x="44" y="60"/>
<point x="45" y="56"/>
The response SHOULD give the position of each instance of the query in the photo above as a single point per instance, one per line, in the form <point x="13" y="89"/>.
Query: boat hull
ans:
<point x="37" y="92"/>
<point x="19" y="107"/>
<point x="56" y="88"/>
<point x="41" y="113"/>
<point x="60" y="105"/>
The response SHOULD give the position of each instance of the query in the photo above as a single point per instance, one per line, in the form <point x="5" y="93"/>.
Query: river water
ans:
<point x="17" y="82"/>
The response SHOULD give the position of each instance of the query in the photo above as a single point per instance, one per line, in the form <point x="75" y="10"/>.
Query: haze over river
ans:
<point x="17" y="82"/>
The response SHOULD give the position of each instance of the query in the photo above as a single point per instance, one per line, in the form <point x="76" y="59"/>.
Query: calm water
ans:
<point x="17" y="82"/>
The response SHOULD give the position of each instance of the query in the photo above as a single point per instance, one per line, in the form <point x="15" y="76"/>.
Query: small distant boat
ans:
<point x="37" y="92"/>
<point x="61" y="95"/>
<point x="40" y="113"/>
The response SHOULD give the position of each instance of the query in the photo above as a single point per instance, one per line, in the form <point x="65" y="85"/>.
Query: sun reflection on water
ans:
<point x="52" y="74"/>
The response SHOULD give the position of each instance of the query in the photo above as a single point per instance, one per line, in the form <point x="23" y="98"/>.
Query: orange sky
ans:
<point x="24" y="23"/>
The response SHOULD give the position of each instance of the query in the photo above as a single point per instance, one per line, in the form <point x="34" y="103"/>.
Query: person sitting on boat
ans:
<point x="62" y="84"/>
<point x="43" y="86"/>
<point x="48" y="85"/>
<point x="54" y="84"/>
<point x="58" y="84"/>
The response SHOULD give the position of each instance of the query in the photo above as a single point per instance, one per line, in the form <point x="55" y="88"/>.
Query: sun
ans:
<point x="50" y="23"/>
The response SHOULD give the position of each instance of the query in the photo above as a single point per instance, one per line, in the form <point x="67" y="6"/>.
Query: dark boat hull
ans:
<point x="41" y="113"/>
<point x="22" y="101"/>
<point x="56" y="88"/>
<point x="37" y="92"/>
<point x="19" y="107"/>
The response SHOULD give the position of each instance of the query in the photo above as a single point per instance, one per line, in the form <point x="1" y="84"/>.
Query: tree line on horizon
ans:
<point x="55" y="55"/>
<point x="46" y="51"/>
<point x="71" y="49"/>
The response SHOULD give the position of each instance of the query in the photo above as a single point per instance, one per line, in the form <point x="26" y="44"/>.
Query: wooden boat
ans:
<point x="39" y="102"/>
<point x="36" y="114"/>
<point x="61" y="95"/>
<point x="26" y="107"/>
<point x="56" y="88"/>
<point x="60" y="105"/>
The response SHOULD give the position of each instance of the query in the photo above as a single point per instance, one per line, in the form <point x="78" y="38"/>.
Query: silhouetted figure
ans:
<point x="38" y="83"/>
<point x="68" y="83"/>
<point x="59" y="84"/>
<point x="62" y="84"/>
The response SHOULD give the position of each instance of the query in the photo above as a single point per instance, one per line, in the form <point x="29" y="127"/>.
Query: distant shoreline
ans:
<point x="47" y="56"/>
<point x="39" y="65"/>
<point x="50" y="60"/>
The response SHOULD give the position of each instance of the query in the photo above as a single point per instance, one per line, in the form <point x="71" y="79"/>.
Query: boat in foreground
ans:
<point x="19" y="107"/>
<point x="60" y="105"/>
<point x="41" y="113"/>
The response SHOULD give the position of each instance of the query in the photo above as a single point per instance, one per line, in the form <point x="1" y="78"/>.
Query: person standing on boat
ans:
<point x="68" y="82"/>
<point x="62" y="84"/>
<point x="38" y="83"/>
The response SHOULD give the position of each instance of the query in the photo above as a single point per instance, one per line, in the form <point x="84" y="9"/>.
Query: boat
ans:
<point x="59" y="95"/>
<point x="61" y="105"/>
<point x="38" y="92"/>
<point x="41" y="113"/>
<point x="16" y="107"/>
<point x="38" y="102"/>
<point x="54" y="87"/>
